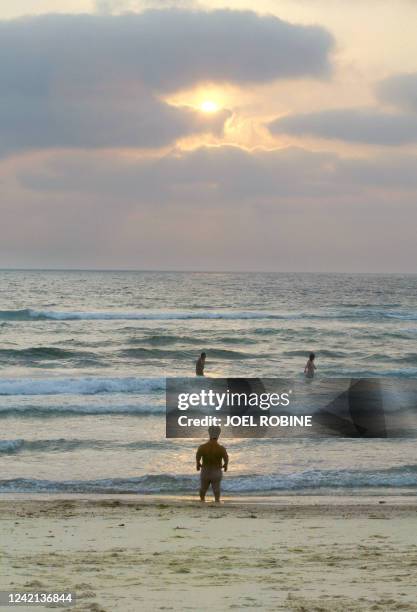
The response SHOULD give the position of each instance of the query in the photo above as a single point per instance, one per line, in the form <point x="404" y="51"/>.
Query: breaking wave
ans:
<point x="79" y="386"/>
<point x="399" y="477"/>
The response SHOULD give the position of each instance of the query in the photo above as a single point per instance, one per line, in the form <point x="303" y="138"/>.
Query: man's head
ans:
<point x="214" y="432"/>
<point x="203" y="356"/>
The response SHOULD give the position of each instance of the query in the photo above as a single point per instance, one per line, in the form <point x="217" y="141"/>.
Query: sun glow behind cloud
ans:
<point x="209" y="106"/>
<point x="207" y="98"/>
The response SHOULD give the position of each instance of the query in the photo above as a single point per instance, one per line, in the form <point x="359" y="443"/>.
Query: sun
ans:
<point x="208" y="106"/>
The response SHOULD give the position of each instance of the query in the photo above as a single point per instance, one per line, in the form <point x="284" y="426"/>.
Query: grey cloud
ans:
<point x="395" y="173"/>
<point x="166" y="50"/>
<point x="95" y="81"/>
<point x="367" y="125"/>
<point x="100" y="121"/>
<point x="223" y="175"/>
<point x="399" y="90"/>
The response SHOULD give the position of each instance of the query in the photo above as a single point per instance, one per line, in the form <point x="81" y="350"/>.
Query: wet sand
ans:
<point x="287" y="553"/>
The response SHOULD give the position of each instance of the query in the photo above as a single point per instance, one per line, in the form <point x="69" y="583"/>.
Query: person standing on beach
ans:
<point x="310" y="367"/>
<point x="199" y="366"/>
<point x="211" y="458"/>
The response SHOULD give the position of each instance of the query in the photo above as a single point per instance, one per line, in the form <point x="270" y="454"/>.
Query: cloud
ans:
<point x="223" y="176"/>
<point x="363" y="125"/>
<point x="211" y="208"/>
<point x="94" y="81"/>
<point x="369" y="125"/>
<point x="101" y="120"/>
<point x="399" y="90"/>
<point x="165" y="49"/>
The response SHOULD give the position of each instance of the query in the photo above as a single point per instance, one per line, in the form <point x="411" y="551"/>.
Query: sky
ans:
<point x="150" y="134"/>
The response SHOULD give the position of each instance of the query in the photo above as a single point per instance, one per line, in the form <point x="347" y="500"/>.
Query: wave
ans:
<point x="312" y="480"/>
<point x="403" y="316"/>
<point x="241" y="339"/>
<point x="79" y="386"/>
<point x="410" y="330"/>
<point x="60" y="445"/>
<point x="407" y="358"/>
<point x="322" y="352"/>
<point x="169" y="339"/>
<point x="29" y="314"/>
<point x="377" y="373"/>
<point x="9" y="447"/>
<point x="68" y="410"/>
<point x="44" y="352"/>
<point x="12" y="447"/>
<point x="57" y="411"/>
<point x="143" y="353"/>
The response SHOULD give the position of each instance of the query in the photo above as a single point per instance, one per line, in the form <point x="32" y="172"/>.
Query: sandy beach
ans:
<point x="286" y="553"/>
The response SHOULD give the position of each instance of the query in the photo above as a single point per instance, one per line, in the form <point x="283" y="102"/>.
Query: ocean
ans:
<point x="84" y="356"/>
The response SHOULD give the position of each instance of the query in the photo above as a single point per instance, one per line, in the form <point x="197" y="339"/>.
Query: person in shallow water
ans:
<point x="211" y="458"/>
<point x="310" y="367"/>
<point x="199" y="366"/>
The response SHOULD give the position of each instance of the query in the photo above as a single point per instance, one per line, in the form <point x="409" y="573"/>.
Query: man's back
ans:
<point x="211" y="457"/>
<point x="212" y="454"/>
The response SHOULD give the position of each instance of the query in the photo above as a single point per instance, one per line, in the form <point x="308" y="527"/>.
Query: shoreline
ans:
<point x="306" y="500"/>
